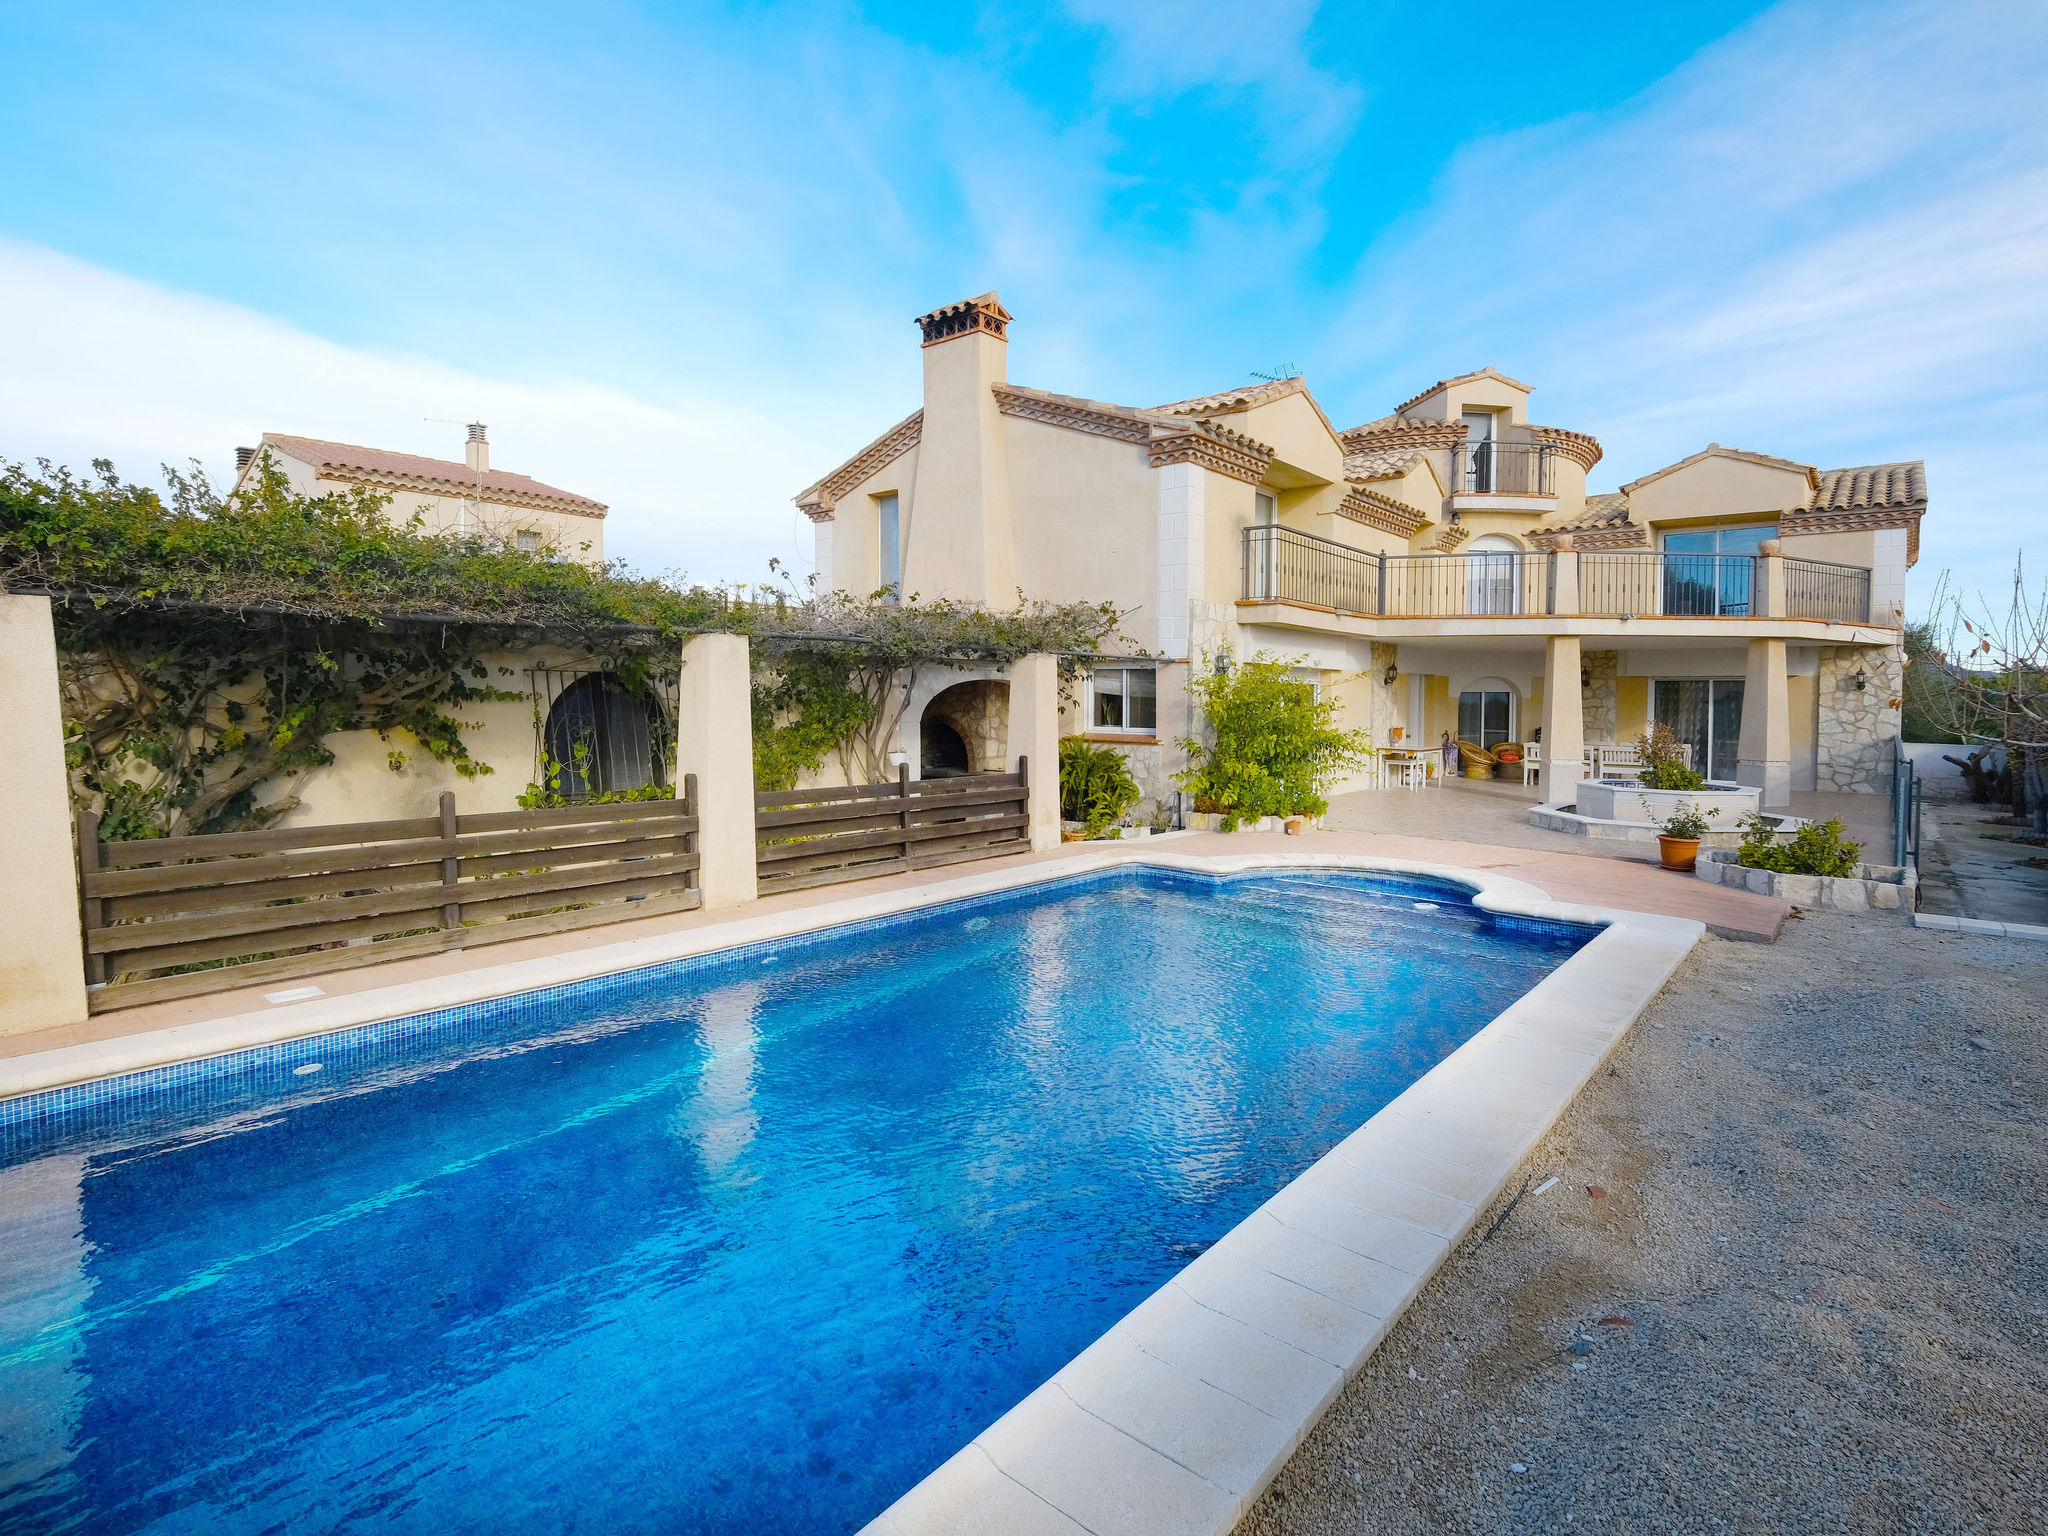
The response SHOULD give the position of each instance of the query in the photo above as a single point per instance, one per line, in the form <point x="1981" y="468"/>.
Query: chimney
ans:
<point x="957" y="536"/>
<point x="242" y="458"/>
<point x="477" y="453"/>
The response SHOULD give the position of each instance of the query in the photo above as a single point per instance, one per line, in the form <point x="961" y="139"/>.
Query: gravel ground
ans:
<point x="1807" y="1290"/>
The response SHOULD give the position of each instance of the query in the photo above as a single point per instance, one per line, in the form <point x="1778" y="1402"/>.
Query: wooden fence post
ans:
<point x="451" y="866"/>
<point x="903" y="806"/>
<point x="690" y="839"/>
<point x="92" y="910"/>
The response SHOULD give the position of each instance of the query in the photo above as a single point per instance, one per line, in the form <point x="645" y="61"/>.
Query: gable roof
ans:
<point x="1857" y="499"/>
<point x="1716" y="451"/>
<point x="383" y="469"/>
<point x="1465" y="378"/>
<point x="819" y="497"/>
<point x="1231" y="401"/>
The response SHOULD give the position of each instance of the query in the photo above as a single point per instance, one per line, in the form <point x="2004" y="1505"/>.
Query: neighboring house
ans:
<point x="564" y="699"/>
<point x="447" y="497"/>
<point x="1443" y="568"/>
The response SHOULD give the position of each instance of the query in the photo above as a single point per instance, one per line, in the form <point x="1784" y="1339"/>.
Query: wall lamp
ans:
<point x="1862" y="680"/>
<point x="1585" y="677"/>
<point x="1223" y="662"/>
<point x="1393" y="671"/>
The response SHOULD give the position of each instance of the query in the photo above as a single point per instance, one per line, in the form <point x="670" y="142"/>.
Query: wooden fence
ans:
<point x="806" y="837"/>
<point x="230" y="909"/>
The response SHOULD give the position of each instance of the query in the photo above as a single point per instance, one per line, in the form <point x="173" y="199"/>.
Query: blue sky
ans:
<point x="671" y="254"/>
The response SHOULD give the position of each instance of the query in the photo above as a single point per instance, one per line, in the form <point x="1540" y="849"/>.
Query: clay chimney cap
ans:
<point x="983" y="314"/>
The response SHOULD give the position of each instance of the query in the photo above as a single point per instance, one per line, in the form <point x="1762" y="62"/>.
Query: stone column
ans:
<point x="42" y="959"/>
<point x="715" y="741"/>
<point x="1035" y="735"/>
<point x="1763" y="757"/>
<point x="1564" y="581"/>
<point x="1564" y="721"/>
<point x="1767" y="592"/>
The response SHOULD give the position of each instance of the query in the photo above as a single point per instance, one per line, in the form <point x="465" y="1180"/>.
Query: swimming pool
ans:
<point x="751" y="1241"/>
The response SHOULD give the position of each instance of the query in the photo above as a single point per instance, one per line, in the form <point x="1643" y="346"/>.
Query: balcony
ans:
<point x="1284" y="565"/>
<point x="1503" y="469"/>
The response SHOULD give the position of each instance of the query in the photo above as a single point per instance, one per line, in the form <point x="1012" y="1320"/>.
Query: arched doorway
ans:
<point x="965" y="729"/>
<point x="942" y="754"/>
<point x="602" y="738"/>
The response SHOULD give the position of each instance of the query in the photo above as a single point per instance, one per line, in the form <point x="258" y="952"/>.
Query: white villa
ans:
<point x="470" y="497"/>
<point x="1443" y="568"/>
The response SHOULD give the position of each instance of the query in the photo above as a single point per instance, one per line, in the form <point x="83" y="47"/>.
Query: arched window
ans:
<point x="605" y="737"/>
<point x="1493" y="575"/>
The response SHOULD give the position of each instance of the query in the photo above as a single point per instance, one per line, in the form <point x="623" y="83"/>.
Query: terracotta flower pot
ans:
<point x="1294" y="826"/>
<point x="1680" y="853"/>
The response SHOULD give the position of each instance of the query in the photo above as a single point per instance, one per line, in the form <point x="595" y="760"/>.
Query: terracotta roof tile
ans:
<point x="345" y="459"/>
<point x="1383" y="464"/>
<point x="1871" y="485"/>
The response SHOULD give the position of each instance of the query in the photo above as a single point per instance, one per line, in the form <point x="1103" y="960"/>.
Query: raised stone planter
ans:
<point x="1724" y="805"/>
<point x="1205" y="821"/>
<point x="1873" y="888"/>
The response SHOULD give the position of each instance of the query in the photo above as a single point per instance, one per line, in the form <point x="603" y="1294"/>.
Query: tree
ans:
<point x="1275" y="747"/>
<point x="1989" y="667"/>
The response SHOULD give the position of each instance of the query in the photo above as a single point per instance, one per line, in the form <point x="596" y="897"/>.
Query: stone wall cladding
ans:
<point x="1602" y="710"/>
<point x="1855" y="727"/>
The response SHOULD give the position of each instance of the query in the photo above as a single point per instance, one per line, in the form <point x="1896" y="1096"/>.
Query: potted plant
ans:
<point x="1678" y="839"/>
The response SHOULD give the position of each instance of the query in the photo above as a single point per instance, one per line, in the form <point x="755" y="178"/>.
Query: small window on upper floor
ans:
<point x="529" y="542"/>
<point x="889" y="546"/>
<point x="1124" y="699"/>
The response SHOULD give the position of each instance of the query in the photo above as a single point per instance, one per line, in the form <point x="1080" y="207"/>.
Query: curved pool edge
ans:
<point x="1175" y="1420"/>
<point x="178" y="1044"/>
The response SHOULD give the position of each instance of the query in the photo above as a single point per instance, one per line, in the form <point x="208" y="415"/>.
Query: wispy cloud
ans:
<point x="1818" y="239"/>
<point x="104" y="366"/>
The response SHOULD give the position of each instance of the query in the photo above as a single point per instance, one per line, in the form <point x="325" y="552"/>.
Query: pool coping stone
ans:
<point x="1174" y="1421"/>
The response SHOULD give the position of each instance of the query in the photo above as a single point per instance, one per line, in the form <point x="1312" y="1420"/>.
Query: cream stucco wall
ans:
<point x="1070" y="545"/>
<point x="565" y="533"/>
<point x="1718" y="486"/>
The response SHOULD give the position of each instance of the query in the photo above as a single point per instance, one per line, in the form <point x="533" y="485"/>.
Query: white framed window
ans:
<point x="889" y="546"/>
<point x="1124" y="699"/>
<point x="528" y="541"/>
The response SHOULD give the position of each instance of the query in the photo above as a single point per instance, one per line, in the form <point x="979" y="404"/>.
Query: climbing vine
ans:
<point x="211" y="646"/>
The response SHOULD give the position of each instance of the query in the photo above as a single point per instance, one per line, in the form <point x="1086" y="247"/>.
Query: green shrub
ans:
<point x="1686" y="821"/>
<point x="1096" y="786"/>
<point x="1277" y="747"/>
<point x="1818" y="848"/>
<point x="1664" y="761"/>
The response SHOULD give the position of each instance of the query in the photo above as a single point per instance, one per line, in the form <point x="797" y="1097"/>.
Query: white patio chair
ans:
<point x="1532" y="770"/>
<point x="1625" y="758"/>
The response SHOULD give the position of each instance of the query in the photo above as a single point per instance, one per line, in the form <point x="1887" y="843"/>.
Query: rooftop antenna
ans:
<point x="1284" y="371"/>
<point x="476" y="435"/>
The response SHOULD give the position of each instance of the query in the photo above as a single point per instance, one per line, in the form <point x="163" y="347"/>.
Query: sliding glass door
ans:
<point x="1707" y="715"/>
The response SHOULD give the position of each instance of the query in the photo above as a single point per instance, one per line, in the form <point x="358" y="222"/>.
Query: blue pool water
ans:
<point x="741" y="1244"/>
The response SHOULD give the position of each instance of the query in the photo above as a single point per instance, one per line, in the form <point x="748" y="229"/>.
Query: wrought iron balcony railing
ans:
<point x="1286" y="565"/>
<point x="1820" y="589"/>
<point x="1504" y="469"/>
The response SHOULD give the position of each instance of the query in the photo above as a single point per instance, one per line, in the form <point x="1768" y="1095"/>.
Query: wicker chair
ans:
<point x="1479" y="763"/>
